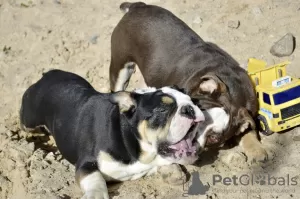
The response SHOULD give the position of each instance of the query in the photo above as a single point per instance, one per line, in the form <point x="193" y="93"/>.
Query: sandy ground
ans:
<point x="74" y="35"/>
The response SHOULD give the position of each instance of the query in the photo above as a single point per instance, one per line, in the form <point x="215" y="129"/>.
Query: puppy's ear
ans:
<point x="244" y="121"/>
<point x="206" y="102"/>
<point x="211" y="84"/>
<point x="124" y="100"/>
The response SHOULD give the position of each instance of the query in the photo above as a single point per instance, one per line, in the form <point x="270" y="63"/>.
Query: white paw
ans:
<point x="96" y="194"/>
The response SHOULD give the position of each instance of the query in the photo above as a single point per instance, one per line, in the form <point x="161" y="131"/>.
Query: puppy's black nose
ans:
<point x="188" y="111"/>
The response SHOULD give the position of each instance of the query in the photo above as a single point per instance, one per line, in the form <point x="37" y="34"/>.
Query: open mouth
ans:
<point x="186" y="147"/>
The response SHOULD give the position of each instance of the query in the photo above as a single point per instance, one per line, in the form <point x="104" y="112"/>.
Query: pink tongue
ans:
<point x="183" y="147"/>
<point x="189" y="143"/>
<point x="180" y="145"/>
<point x="183" y="144"/>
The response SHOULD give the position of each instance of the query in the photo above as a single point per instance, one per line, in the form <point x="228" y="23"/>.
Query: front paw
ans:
<point x="256" y="154"/>
<point x="95" y="194"/>
<point x="172" y="174"/>
<point x="253" y="148"/>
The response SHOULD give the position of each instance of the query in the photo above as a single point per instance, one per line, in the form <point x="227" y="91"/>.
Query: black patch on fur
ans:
<point x="85" y="122"/>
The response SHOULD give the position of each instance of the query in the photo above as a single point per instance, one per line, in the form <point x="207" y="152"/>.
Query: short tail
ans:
<point x="126" y="6"/>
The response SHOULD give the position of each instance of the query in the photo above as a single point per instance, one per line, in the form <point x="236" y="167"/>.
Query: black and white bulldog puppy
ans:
<point x="112" y="136"/>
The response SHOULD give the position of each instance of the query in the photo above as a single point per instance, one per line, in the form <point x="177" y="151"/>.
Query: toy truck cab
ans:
<point x="278" y="96"/>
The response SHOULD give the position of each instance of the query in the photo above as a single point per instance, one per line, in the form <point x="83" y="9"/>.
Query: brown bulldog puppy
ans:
<point x="168" y="52"/>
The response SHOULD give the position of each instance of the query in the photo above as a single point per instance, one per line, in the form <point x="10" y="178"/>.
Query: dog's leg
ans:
<point x="91" y="181"/>
<point x="113" y="74"/>
<point x="31" y="128"/>
<point x="124" y="76"/>
<point x="27" y="119"/>
<point x="119" y="79"/>
<point x="253" y="148"/>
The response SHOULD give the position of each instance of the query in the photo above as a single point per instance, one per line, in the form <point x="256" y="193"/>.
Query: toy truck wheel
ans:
<point x="264" y="127"/>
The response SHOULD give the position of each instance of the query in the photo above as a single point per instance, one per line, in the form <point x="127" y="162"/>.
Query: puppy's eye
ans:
<point x="195" y="101"/>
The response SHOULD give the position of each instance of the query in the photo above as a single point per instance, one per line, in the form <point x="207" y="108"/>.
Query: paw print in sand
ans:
<point x="260" y="179"/>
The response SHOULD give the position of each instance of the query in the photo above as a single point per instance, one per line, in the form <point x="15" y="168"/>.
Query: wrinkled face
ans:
<point x="167" y="124"/>
<point x="223" y="121"/>
<point x="211" y="132"/>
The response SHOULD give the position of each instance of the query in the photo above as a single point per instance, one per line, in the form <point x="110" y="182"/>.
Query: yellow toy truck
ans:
<point x="278" y="95"/>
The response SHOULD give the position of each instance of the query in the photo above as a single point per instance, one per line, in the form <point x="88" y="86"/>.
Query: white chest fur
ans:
<point x="115" y="170"/>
